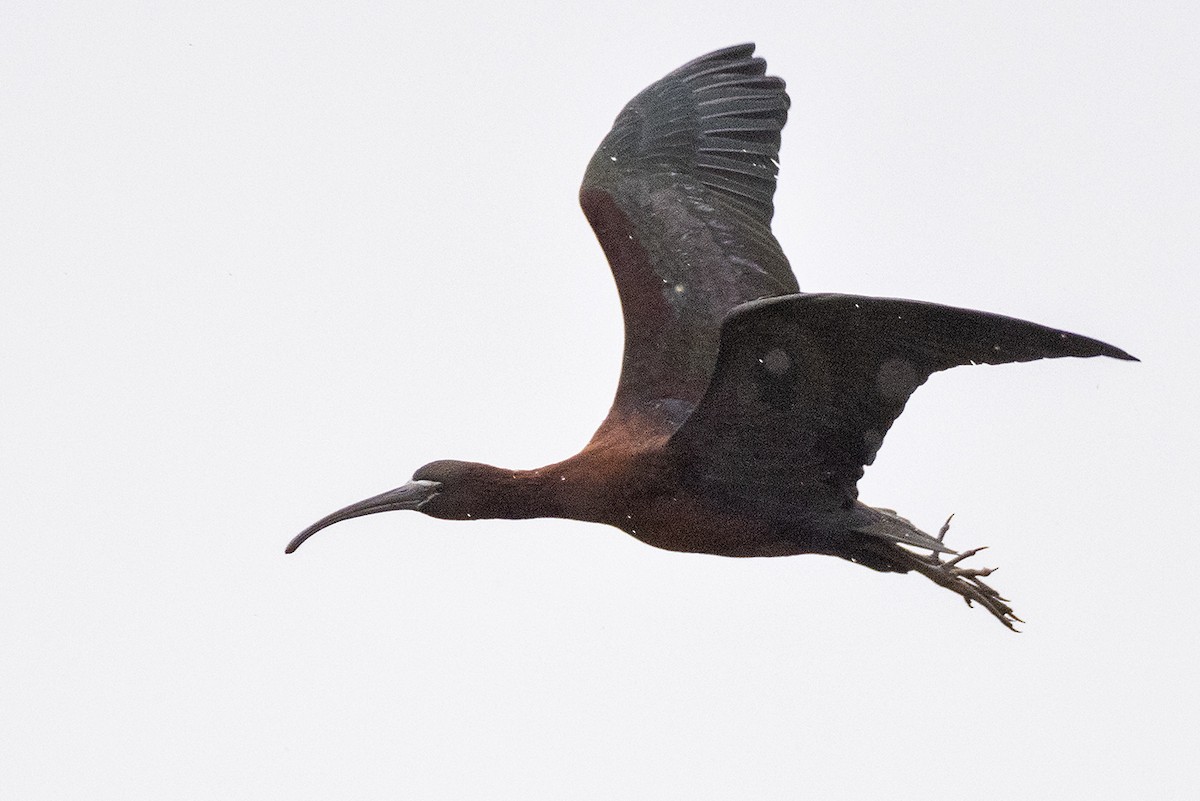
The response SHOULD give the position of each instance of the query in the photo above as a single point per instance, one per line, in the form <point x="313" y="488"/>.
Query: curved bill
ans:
<point x="412" y="495"/>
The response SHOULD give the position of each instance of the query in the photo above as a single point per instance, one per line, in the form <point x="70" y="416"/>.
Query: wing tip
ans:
<point x="1086" y="347"/>
<point x="1117" y="353"/>
<point x="737" y="51"/>
<point x="739" y="58"/>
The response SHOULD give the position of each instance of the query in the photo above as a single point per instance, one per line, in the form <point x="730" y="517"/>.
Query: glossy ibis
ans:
<point x="746" y="410"/>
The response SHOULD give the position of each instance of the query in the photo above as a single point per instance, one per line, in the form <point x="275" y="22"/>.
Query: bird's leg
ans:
<point x="967" y="582"/>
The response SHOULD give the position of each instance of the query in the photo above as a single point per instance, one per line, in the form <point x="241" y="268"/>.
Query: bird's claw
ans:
<point x="967" y="582"/>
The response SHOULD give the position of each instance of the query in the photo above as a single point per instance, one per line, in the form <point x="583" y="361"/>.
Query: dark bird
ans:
<point x="746" y="410"/>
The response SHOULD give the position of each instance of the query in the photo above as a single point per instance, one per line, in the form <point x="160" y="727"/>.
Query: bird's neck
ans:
<point x="573" y="489"/>
<point x="487" y="492"/>
<point x="523" y="494"/>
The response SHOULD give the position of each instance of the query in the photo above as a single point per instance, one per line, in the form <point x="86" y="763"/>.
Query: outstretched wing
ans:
<point x="679" y="195"/>
<point x="806" y="387"/>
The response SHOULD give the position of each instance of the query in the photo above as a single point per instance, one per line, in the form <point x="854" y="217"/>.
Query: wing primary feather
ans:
<point x="746" y="66"/>
<point x="717" y="179"/>
<point x="765" y="83"/>
<point x="757" y="170"/>
<point x="721" y="144"/>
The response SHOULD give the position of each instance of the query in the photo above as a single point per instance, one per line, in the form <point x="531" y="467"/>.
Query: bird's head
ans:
<point x="448" y="489"/>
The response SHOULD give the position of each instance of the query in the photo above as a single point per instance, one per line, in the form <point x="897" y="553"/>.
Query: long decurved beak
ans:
<point x="412" y="495"/>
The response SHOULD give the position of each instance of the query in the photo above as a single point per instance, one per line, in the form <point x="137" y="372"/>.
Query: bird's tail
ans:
<point x="886" y="525"/>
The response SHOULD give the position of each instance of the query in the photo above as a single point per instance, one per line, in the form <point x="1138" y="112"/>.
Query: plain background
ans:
<point x="261" y="260"/>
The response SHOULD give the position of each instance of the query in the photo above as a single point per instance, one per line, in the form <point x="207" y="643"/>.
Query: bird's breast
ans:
<point x="627" y="478"/>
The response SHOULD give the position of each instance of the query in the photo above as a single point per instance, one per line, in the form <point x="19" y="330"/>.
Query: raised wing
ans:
<point x="806" y="387"/>
<point x="679" y="195"/>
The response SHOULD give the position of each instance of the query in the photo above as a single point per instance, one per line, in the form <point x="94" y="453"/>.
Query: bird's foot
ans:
<point x="966" y="581"/>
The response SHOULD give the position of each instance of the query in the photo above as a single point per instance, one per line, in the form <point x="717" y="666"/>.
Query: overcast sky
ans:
<point x="259" y="261"/>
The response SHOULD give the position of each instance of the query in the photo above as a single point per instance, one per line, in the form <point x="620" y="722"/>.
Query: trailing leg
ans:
<point x="966" y="582"/>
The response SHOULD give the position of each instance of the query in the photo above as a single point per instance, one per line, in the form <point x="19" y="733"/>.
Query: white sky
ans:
<point x="258" y="262"/>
